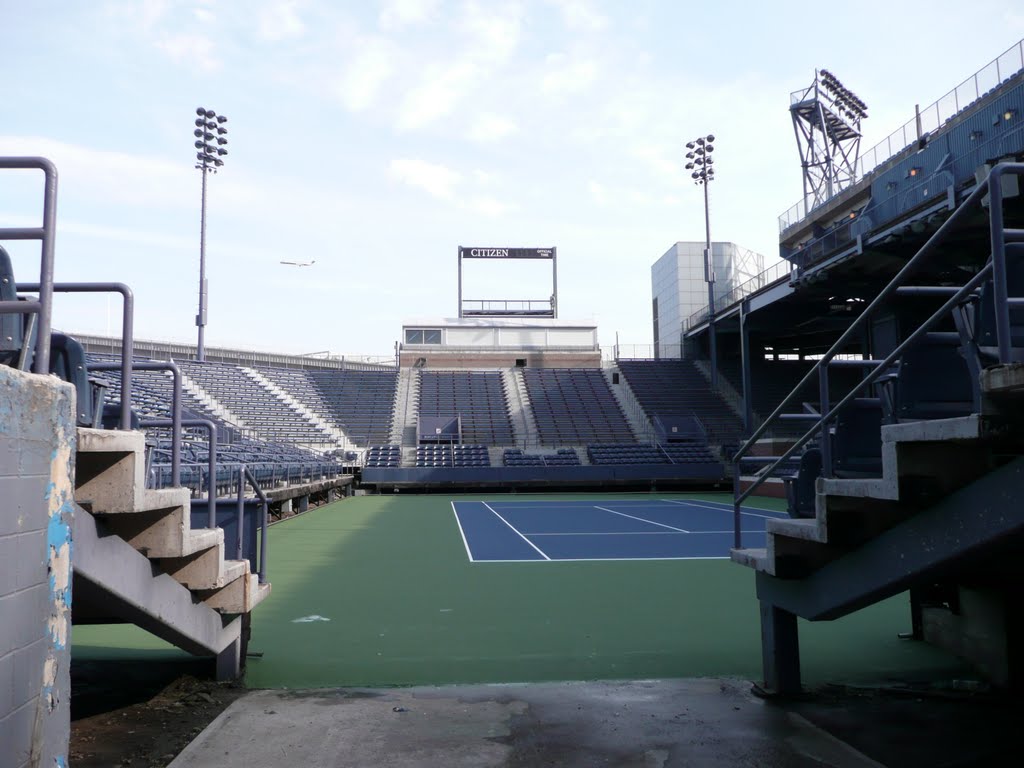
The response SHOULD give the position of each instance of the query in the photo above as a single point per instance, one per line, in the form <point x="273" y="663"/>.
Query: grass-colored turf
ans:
<point x="406" y="607"/>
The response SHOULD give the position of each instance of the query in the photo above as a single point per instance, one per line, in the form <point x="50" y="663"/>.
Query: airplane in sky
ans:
<point x="300" y="263"/>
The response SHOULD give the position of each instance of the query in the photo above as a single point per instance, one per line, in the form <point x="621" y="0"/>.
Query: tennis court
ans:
<point x="379" y="591"/>
<point x="500" y="530"/>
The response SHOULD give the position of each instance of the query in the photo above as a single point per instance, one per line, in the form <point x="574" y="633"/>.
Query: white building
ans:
<point x="679" y="289"/>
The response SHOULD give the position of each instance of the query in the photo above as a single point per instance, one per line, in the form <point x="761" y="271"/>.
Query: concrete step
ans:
<point x="162" y="531"/>
<point x="239" y="596"/>
<point x="205" y="569"/>
<point x="120" y="582"/>
<point x="923" y="462"/>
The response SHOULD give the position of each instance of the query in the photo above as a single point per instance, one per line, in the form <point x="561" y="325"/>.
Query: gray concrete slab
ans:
<point x="640" y="724"/>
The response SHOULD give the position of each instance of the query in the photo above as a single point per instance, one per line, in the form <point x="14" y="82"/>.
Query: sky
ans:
<point x="377" y="137"/>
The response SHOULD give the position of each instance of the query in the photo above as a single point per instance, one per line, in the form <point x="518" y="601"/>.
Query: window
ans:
<point x="520" y="362"/>
<point x="422" y="335"/>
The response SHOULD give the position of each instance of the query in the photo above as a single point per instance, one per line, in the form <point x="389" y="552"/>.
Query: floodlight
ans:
<point x="210" y="113"/>
<point x="201" y="112"/>
<point x="690" y="145"/>
<point x="221" y="119"/>
<point x="711" y="137"/>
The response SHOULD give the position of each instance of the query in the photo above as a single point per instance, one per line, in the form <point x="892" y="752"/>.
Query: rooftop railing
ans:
<point x="774" y="273"/>
<point x="932" y="117"/>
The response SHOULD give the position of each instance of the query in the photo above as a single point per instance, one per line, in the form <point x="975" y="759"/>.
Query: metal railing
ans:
<point x="928" y="120"/>
<point x="43" y="307"/>
<point x="775" y="273"/>
<point x="994" y="268"/>
<point x="127" y="332"/>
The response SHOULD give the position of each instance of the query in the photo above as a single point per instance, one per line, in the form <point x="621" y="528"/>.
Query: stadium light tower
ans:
<point x="701" y="164"/>
<point x="210" y="146"/>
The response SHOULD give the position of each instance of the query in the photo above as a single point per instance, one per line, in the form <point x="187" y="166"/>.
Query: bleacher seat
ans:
<point x="575" y="406"/>
<point x="477" y="398"/>
<point x="670" y="388"/>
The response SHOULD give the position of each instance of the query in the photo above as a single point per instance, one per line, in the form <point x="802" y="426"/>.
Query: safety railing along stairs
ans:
<point x="950" y="489"/>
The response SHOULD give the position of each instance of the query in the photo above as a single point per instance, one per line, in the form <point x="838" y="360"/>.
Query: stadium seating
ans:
<point x="255" y="405"/>
<point x="575" y="406"/>
<point x="383" y="456"/>
<point x="434" y="456"/>
<point x="359" y="402"/>
<point x="476" y="397"/>
<point x="677" y="388"/>
<point x="470" y="456"/>
<point x="649" y="454"/>
<point x="563" y="457"/>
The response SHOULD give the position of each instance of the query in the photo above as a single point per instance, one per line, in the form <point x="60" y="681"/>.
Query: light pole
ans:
<point x="210" y="145"/>
<point x="701" y="163"/>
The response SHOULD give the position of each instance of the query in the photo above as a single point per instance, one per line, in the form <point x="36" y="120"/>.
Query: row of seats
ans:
<point x="564" y="457"/>
<point x="649" y="454"/>
<point x="476" y="397"/>
<point x="359" y="402"/>
<point x="383" y="456"/>
<point x="678" y="388"/>
<point x="574" y="406"/>
<point x="452" y="456"/>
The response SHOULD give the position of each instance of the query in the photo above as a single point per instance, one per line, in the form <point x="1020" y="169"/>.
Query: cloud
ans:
<point x="490" y="127"/>
<point x="280" y="21"/>
<point x="485" y="41"/>
<point x="368" y="70"/>
<point x="440" y="90"/>
<point x="437" y="180"/>
<point x="114" y="177"/>
<point x="195" y="50"/>
<point x="397" y="13"/>
<point x="487" y="206"/>
<point x="580" y="15"/>
<point x="564" y="74"/>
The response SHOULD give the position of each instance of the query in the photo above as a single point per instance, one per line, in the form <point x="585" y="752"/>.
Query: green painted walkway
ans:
<point x="377" y="591"/>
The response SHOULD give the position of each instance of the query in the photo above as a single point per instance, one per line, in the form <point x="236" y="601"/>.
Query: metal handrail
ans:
<point x="175" y="405"/>
<point x="211" y="429"/>
<point x="43" y="308"/>
<point x="127" y="332"/>
<point x="991" y="186"/>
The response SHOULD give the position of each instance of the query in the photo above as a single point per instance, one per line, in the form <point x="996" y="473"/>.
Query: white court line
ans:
<point x="619" y="533"/>
<point x="725" y="509"/>
<point x="506" y="522"/>
<point x="606" y="559"/>
<point x="670" y="527"/>
<point x="462" y="533"/>
<point x="726" y="506"/>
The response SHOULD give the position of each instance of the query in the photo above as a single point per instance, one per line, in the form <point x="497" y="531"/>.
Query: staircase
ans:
<point x="943" y="515"/>
<point x="403" y="425"/>
<point x="319" y="421"/>
<point x="631" y="407"/>
<point x="138" y="559"/>
<point x="520" y="413"/>
<point x="212" y="404"/>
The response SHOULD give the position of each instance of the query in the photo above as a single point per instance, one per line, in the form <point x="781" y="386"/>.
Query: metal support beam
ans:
<point x="780" y="650"/>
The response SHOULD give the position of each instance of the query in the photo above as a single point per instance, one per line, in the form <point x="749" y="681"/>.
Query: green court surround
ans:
<point x="405" y="607"/>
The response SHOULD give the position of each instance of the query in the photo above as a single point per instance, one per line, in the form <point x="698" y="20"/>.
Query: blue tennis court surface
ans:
<point x="617" y="529"/>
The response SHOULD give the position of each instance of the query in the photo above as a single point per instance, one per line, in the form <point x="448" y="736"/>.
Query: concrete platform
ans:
<point x="644" y="724"/>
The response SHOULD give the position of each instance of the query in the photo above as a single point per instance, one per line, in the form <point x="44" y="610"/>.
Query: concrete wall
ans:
<point x="36" y="501"/>
<point x="439" y="358"/>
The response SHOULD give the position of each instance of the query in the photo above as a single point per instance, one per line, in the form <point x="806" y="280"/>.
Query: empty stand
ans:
<point x="563" y="457"/>
<point x="359" y="402"/>
<point x="476" y="397"/>
<point x="575" y="406"/>
<point x="254" y="405"/>
<point x="677" y="388"/>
